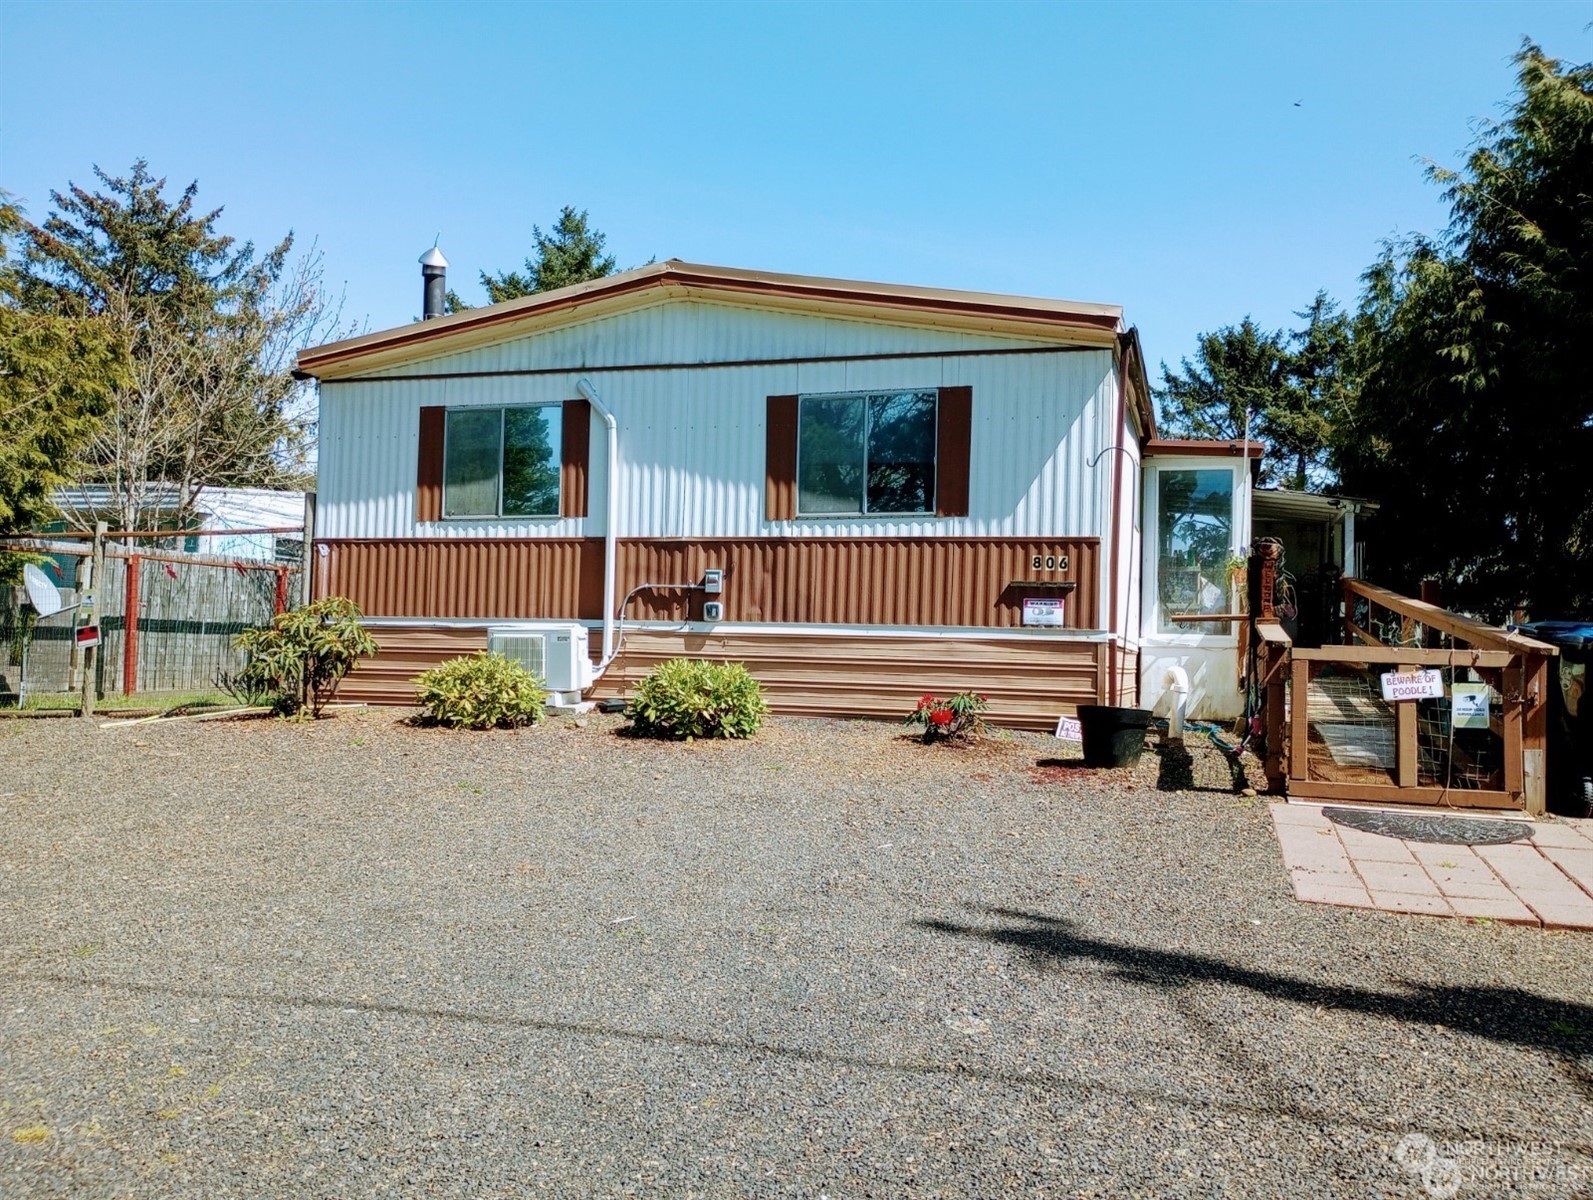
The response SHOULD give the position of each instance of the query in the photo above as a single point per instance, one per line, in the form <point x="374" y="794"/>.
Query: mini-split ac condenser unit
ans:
<point x="553" y="651"/>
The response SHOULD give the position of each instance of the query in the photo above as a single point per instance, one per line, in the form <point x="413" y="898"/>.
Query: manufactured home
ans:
<point x="863" y="491"/>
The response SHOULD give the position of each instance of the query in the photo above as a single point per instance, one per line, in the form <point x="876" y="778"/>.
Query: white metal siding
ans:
<point x="692" y="441"/>
<point x="696" y="331"/>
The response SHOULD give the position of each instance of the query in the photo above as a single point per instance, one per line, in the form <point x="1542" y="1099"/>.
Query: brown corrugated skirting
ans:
<point x="904" y="582"/>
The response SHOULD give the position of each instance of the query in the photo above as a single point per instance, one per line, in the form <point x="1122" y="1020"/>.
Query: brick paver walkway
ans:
<point x="1545" y="880"/>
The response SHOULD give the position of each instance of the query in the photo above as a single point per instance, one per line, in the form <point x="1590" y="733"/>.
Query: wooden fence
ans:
<point x="1330" y="734"/>
<point x="167" y="624"/>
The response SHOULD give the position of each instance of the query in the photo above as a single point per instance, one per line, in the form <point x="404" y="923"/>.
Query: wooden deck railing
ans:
<point x="1401" y="633"/>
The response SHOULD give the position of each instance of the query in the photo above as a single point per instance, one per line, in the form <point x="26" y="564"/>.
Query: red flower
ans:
<point x="927" y="700"/>
<point x="942" y="716"/>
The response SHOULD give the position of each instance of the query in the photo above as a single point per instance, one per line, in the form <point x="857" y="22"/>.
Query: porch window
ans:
<point x="1194" y="543"/>
<point x="502" y="462"/>
<point x="866" y="453"/>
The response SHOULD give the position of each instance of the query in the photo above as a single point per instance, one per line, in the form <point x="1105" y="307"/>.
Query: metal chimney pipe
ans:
<point x="434" y="282"/>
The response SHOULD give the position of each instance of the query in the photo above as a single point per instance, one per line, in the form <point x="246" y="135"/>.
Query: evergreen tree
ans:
<point x="1294" y="387"/>
<point x="1474" y="423"/>
<point x="58" y="375"/>
<point x="572" y="253"/>
<point x="210" y="327"/>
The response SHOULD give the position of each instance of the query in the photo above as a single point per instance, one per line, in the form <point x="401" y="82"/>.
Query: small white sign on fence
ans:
<point x="1413" y="685"/>
<point x="1470" y="705"/>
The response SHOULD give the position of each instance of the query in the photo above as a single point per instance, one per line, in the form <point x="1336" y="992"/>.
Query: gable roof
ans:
<point x="1072" y="320"/>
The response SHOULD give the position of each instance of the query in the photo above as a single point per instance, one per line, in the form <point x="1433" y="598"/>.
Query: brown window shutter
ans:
<point x="780" y="460"/>
<point x="574" y="458"/>
<point x="954" y="439"/>
<point x="429" y="471"/>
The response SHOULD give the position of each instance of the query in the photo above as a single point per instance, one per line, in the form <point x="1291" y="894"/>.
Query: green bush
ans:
<point x="689" y="698"/>
<point x="302" y="655"/>
<point x="481" y="691"/>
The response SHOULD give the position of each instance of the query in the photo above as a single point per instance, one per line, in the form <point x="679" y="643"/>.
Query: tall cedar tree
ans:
<point x="1474" y="426"/>
<point x="58" y="376"/>
<point x="572" y="253"/>
<point x="1292" y="385"/>
<point x="209" y="326"/>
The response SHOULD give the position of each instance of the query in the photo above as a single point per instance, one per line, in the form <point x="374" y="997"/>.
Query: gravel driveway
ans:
<point x="355" y="958"/>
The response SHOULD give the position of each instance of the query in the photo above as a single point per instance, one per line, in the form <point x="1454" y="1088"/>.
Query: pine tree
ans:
<point x="209" y="325"/>
<point x="58" y="375"/>
<point x="1474" y="425"/>
<point x="572" y="253"/>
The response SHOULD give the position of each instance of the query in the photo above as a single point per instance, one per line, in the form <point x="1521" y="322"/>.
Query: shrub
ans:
<point x="689" y="698"/>
<point x="481" y="691"/>
<point x="302" y="655"/>
<point x="956" y="718"/>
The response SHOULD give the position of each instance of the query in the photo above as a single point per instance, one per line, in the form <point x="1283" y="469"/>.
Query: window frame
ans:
<point x="1155" y="630"/>
<point x="555" y="444"/>
<point x="863" y="397"/>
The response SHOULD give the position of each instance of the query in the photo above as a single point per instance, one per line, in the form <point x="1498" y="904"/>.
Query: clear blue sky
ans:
<point x="1149" y="155"/>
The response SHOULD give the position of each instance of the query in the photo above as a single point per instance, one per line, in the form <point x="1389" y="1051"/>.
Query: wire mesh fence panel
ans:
<point x="1353" y="732"/>
<point x="44" y="646"/>
<point x="189" y="611"/>
<point x="189" y="616"/>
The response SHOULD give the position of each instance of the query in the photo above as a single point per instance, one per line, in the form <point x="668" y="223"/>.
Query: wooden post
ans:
<point x="1276" y="767"/>
<point x="1264" y="565"/>
<point x="1535" y="732"/>
<point x="281" y="603"/>
<point x="1512" y="686"/>
<point x="1300" y="720"/>
<point x="130" y="629"/>
<point x="91" y="608"/>
<point x="1405" y="757"/>
<point x="1429" y="595"/>
<point x="1347" y="598"/>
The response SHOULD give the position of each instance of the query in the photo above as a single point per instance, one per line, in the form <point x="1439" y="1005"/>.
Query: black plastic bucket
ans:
<point x="1113" y="737"/>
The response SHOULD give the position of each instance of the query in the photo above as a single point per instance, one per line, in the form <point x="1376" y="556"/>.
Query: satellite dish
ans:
<point x="42" y="594"/>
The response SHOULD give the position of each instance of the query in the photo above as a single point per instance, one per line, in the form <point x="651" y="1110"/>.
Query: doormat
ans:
<point x="1426" y="827"/>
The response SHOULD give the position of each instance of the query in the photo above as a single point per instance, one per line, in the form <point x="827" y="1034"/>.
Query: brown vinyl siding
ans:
<point x="429" y="467"/>
<point x="901" y="582"/>
<point x="780" y="459"/>
<point x="574" y="458"/>
<point x="953" y="443"/>
<point x="1029" y="681"/>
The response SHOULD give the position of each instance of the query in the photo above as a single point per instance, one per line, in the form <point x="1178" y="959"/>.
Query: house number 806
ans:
<point x="1049" y="562"/>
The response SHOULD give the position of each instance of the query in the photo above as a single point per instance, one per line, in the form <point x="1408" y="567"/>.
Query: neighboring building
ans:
<point x="907" y="490"/>
<point x="217" y="509"/>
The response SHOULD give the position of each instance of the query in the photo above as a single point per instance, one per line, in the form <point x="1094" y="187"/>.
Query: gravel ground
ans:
<point x="356" y="958"/>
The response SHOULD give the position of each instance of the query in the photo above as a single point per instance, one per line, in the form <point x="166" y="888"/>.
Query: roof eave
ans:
<point x="1092" y="322"/>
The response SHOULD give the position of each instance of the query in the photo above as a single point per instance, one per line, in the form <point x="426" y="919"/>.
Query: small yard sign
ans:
<point x="86" y="636"/>
<point x="1069" y="729"/>
<point x="1470" y="705"/>
<point x="1413" y="685"/>
<point x="1042" y="612"/>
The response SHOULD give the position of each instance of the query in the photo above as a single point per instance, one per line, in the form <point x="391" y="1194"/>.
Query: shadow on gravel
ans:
<point x="1177" y="771"/>
<point x="1043" y="1080"/>
<point x="1505" y="1015"/>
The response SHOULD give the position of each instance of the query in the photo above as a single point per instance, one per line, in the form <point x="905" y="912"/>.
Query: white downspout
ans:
<point x="610" y="521"/>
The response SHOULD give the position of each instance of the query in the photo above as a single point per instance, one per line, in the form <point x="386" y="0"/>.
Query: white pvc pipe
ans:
<point x="1177" y="682"/>
<point x="610" y="520"/>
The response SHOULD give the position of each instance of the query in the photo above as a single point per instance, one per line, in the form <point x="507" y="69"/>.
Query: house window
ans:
<point x="1194" y="542"/>
<point x="502" y="462"/>
<point x="871" y="452"/>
